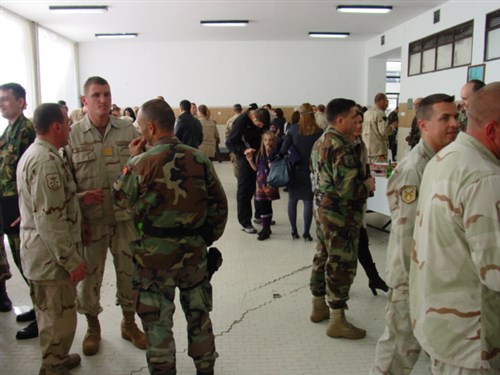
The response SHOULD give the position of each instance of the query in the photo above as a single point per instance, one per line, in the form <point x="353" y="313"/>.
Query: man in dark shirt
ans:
<point x="187" y="127"/>
<point x="246" y="134"/>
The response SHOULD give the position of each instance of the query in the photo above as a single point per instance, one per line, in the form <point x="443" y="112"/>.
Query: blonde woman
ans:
<point x="210" y="133"/>
<point x="302" y="136"/>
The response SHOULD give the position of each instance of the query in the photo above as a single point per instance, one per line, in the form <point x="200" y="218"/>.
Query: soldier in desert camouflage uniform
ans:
<point x="183" y="208"/>
<point x="397" y="349"/>
<point x="376" y="130"/>
<point x="17" y="137"/>
<point x="97" y="151"/>
<point x="51" y="237"/>
<point x="466" y="93"/>
<point x="455" y="260"/>
<point x="340" y="193"/>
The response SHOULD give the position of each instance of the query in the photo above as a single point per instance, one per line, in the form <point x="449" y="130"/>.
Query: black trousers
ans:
<point x="364" y="256"/>
<point x="245" y="191"/>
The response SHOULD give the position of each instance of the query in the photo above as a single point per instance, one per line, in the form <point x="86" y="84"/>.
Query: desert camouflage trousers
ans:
<point x="55" y="308"/>
<point x="117" y="238"/>
<point x="397" y="349"/>
<point x="334" y="264"/>
<point x="441" y="368"/>
<point x="154" y="293"/>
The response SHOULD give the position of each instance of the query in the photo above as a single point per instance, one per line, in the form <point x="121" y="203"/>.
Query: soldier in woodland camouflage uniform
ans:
<point x="18" y="135"/>
<point x="183" y="208"/>
<point x="51" y="237"/>
<point x="455" y="259"/>
<point x="97" y="151"/>
<point x="340" y="193"/>
<point x="397" y="349"/>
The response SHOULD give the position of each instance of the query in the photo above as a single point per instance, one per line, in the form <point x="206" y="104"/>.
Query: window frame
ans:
<point x="457" y="34"/>
<point x="487" y="30"/>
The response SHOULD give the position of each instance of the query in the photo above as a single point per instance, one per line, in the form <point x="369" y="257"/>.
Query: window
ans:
<point x="57" y="58"/>
<point x="17" y="62"/>
<point x="447" y="49"/>
<point x="492" y="45"/>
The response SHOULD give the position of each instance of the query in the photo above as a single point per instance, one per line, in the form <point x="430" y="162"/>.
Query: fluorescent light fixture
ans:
<point x="319" y="34"/>
<point x="117" y="35"/>
<point x="228" y="23"/>
<point x="78" y="8"/>
<point x="374" y="9"/>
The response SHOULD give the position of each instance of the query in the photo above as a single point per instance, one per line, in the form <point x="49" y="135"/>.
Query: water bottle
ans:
<point x="388" y="171"/>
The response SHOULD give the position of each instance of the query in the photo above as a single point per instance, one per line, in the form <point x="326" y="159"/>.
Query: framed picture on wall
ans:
<point x="476" y="72"/>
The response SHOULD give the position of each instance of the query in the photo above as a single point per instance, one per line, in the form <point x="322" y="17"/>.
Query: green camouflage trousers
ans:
<point x="334" y="264"/>
<point x="397" y="349"/>
<point x="117" y="238"/>
<point x="9" y="212"/>
<point x="55" y="307"/>
<point x="15" y="246"/>
<point x="154" y="293"/>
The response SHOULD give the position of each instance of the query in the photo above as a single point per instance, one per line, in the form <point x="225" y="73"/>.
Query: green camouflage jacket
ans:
<point x="173" y="188"/>
<point x="338" y="179"/>
<point x="14" y="141"/>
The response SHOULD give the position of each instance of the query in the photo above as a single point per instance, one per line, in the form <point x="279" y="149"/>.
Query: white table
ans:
<point x="378" y="203"/>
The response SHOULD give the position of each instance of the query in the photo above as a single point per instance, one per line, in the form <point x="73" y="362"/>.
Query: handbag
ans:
<point x="279" y="173"/>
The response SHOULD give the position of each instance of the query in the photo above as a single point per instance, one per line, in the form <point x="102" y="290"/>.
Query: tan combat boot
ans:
<point x="90" y="345"/>
<point x="340" y="327"/>
<point x="320" y="310"/>
<point x="131" y="332"/>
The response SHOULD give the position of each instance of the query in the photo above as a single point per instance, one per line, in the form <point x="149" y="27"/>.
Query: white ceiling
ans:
<point x="179" y="20"/>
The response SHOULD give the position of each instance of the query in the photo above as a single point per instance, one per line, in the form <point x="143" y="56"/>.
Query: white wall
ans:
<point x="224" y="73"/>
<point x="448" y="81"/>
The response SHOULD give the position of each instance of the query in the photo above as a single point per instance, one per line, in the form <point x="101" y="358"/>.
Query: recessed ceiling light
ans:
<point x="319" y="34"/>
<point x="78" y="8"/>
<point x="228" y="23"/>
<point x="117" y="35"/>
<point x="377" y="9"/>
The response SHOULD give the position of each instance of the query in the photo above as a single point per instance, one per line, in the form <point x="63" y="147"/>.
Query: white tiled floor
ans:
<point x="261" y="312"/>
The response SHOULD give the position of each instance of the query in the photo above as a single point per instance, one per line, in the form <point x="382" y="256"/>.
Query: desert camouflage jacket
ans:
<point x="376" y="132"/>
<point x="96" y="161"/>
<point x="455" y="261"/>
<point x="402" y="195"/>
<point x="50" y="214"/>
<point x="14" y="141"/>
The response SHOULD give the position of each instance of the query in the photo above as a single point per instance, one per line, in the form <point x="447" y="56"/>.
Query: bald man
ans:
<point x="455" y="261"/>
<point x="376" y="130"/>
<point x="466" y="92"/>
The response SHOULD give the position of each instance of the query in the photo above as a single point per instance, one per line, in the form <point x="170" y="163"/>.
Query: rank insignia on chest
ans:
<point x="409" y="194"/>
<point x="107" y="151"/>
<point x="53" y="181"/>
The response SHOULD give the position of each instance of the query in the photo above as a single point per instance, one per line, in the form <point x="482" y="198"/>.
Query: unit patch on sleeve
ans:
<point x="409" y="193"/>
<point x="53" y="181"/>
